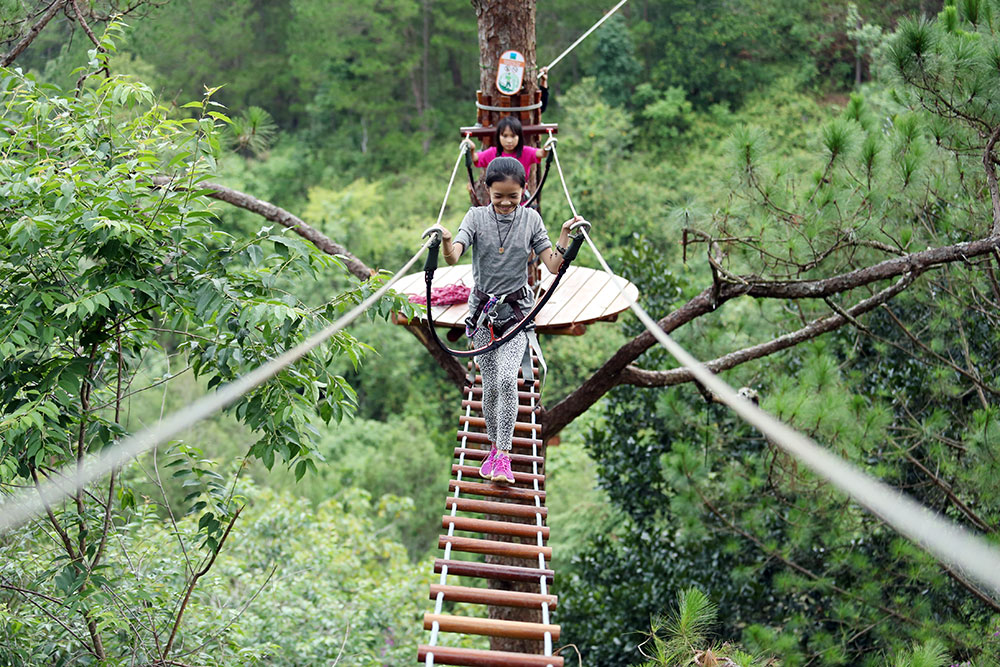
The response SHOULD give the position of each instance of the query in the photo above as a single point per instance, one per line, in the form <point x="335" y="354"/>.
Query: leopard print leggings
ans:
<point x="499" y="369"/>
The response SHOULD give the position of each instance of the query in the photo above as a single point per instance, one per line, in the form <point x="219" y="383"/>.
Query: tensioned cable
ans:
<point x="21" y="507"/>
<point x="585" y="35"/>
<point x="947" y="541"/>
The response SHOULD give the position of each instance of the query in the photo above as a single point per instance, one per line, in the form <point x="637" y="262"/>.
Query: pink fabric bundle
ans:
<point x="448" y="295"/>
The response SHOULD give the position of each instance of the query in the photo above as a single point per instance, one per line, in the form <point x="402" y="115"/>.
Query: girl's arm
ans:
<point x="551" y="258"/>
<point x="452" y="252"/>
<point x="472" y="149"/>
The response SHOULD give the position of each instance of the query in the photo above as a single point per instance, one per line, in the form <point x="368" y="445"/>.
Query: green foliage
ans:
<point x="681" y="638"/>
<point x="252" y="131"/>
<point x="662" y="116"/>
<point x="615" y="66"/>
<point x="304" y="584"/>
<point x="109" y="257"/>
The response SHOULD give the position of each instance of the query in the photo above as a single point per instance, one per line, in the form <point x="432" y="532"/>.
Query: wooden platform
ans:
<point x="584" y="296"/>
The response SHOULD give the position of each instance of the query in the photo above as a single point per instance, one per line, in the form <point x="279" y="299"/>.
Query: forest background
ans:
<point x="299" y="527"/>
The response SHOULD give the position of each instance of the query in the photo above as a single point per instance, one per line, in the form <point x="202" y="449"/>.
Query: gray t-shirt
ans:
<point x="502" y="273"/>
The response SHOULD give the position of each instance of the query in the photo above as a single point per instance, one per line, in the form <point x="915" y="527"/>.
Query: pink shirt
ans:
<point x="529" y="156"/>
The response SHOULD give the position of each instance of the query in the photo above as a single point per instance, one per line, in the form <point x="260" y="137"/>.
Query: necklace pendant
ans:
<point x="501" y="250"/>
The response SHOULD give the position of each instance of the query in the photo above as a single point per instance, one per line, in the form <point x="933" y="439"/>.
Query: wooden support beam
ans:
<point x="491" y="627"/>
<point x="490" y="507"/>
<point x="497" y="491"/>
<point x="519" y="427"/>
<point x="474" y="657"/>
<point x="520" y="443"/>
<point x="478" y="406"/>
<point x="468" y="568"/>
<point x="525" y="477"/>
<point x="488" y="527"/>
<point x="480" y="454"/>
<point x="492" y="596"/>
<point x="475" y="545"/>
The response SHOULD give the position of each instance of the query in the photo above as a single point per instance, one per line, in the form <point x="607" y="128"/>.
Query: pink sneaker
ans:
<point x="486" y="469"/>
<point x="501" y="468"/>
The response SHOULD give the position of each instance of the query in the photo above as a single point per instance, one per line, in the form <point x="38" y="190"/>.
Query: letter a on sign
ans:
<point x="510" y="72"/>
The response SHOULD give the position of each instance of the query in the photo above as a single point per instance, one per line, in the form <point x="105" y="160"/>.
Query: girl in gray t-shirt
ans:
<point x="502" y="236"/>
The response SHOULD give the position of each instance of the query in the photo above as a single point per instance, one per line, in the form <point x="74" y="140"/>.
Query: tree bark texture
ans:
<point x="505" y="25"/>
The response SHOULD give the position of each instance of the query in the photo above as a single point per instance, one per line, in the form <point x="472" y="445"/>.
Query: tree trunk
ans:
<point x="508" y="25"/>
<point x="505" y="25"/>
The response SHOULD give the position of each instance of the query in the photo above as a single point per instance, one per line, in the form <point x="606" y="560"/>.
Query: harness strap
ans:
<point x="541" y="183"/>
<point x="430" y="265"/>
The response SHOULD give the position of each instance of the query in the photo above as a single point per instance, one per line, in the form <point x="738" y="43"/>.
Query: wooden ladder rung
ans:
<point x="519" y="476"/>
<point x="520" y="383"/>
<point x="478" y="405"/>
<point x="469" y="568"/>
<point x="496" y="490"/>
<point x="474" y="657"/>
<point x="494" y="596"/>
<point x="520" y="443"/>
<point x="489" y="527"/>
<point x="502" y="509"/>
<point x="475" y="545"/>
<point x="491" y="627"/>
<point x="519" y="427"/>
<point x="521" y="395"/>
<point x="480" y="454"/>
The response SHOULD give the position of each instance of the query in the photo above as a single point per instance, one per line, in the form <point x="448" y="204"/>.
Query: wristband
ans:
<point x="559" y="249"/>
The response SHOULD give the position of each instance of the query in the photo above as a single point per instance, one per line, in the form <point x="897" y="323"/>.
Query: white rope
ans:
<point x="585" y="35"/>
<point x="21" y="507"/>
<point x="461" y="153"/>
<point x="488" y="107"/>
<point x="947" y="541"/>
<point x="555" y="156"/>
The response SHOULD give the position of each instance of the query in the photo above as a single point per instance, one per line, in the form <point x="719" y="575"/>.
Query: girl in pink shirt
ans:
<point x="509" y="138"/>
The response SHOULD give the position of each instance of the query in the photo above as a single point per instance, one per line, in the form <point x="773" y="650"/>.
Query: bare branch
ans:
<point x="30" y="36"/>
<point x="27" y="594"/>
<point x="609" y="374"/>
<point x="194" y="582"/>
<point x="86" y="28"/>
<point x="645" y="378"/>
<point x="991" y="177"/>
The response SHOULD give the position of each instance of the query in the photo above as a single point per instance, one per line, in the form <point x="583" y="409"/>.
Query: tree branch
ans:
<point x="991" y="177"/>
<point x="452" y="368"/>
<point x="609" y="374"/>
<point x="282" y="217"/>
<point x="645" y="378"/>
<point x="27" y="596"/>
<point x="194" y="582"/>
<point x="30" y="36"/>
<point x="86" y="28"/>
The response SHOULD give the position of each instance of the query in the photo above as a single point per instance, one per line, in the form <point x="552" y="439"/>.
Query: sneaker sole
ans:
<point x="502" y="479"/>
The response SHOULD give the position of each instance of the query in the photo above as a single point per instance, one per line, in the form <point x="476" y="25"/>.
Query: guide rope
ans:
<point x="22" y="507"/>
<point x="947" y="541"/>
<point x="585" y="35"/>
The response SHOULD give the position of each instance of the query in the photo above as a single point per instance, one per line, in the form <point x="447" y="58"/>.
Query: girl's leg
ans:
<point x="487" y="368"/>
<point x="508" y="362"/>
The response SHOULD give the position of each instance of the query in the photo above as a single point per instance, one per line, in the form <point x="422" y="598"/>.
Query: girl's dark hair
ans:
<point x="515" y="126"/>
<point x="505" y="169"/>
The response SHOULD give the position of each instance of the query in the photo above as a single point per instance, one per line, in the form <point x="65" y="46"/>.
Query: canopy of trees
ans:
<point x="805" y="194"/>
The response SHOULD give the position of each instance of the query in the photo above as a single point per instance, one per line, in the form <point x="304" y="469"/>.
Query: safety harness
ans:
<point x="486" y="312"/>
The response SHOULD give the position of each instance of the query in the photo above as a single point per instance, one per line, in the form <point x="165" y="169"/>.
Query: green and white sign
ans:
<point x="510" y="72"/>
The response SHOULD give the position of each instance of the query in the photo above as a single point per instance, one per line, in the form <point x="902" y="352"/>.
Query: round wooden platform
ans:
<point x="584" y="296"/>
